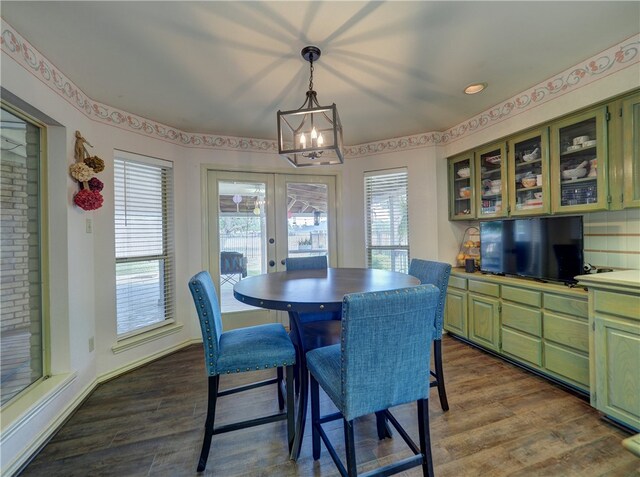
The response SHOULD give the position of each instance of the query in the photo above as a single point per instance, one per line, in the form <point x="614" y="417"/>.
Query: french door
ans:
<point x="256" y="221"/>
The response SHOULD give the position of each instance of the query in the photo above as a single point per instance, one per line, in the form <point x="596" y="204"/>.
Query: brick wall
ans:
<point x="19" y="238"/>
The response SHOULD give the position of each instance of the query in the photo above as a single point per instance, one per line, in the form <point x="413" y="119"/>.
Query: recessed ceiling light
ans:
<point x="475" y="88"/>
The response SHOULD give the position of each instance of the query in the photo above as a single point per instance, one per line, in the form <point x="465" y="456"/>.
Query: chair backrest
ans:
<point x="433" y="273"/>
<point x="306" y="263"/>
<point x="384" y="357"/>
<point x="231" y="263"/>
<point x="206" y="301"/>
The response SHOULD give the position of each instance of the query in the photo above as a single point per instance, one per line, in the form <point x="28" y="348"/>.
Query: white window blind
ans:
<point x="143" y="196"/>
<point x="387" y="220"/>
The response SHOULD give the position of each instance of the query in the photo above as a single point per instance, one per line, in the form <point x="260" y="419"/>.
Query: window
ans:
<point x="21" y="313"/>
<point x="143" y="195"/>
<point x="387" y="220"/>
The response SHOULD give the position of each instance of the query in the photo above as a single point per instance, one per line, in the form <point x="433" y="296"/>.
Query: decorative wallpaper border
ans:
<point x="613" y="59"/>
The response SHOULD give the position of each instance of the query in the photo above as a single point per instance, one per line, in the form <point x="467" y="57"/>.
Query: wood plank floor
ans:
<point x="503" y="421"/>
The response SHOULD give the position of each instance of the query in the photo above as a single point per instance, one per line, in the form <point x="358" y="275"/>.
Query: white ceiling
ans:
<point x="392" y="68"/>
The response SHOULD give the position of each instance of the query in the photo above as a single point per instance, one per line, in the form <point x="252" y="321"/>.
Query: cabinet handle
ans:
<point x="272" y="263"/>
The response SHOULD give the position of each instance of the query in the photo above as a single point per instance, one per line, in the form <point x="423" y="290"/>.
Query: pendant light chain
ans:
<point x="311" y="75"/>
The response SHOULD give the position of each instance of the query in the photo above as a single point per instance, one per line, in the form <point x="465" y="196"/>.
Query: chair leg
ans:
<point x="425" y="437"/>
<point x="291" y="411"/>
<point x="214" y="381"/>
<point x="350" y="448"/>
<point x="442" y="393"/>
<point x="382" y="425"/>
<point x="279" y="389"/>
<point x="315" y="417"/>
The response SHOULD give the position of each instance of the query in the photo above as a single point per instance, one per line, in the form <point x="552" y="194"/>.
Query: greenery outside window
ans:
<point x="387" y="220"/>
<point x="143" y="196"/>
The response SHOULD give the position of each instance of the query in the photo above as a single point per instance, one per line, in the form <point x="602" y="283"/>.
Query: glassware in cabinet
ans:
<point x="491" y="181"/>
<point x="528" y="173"/>
<point x="461" y="175"/>
<point x="579" y="162"/>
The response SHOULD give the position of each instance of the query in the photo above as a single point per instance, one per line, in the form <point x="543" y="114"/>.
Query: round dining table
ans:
<point x="303" y="292"/>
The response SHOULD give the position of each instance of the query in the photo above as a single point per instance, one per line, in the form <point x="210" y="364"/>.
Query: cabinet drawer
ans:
<point x="490" y="289"/>
<point x="522" y="318"/>
<point x="519" y="295"/>
<point x="565" y="304"/>
<point x="618" y="304"/>
<point x="570" y="364"/>
<point x="457" y="282"/>
<point x="522" y="346"/>
<point x="567" y="331"/>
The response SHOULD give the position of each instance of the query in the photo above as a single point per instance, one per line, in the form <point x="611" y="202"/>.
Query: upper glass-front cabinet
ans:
<point x="461" y="190"/>
<point x="528" y="174"/>
<point x="631" y="150"/>
<point x="579" y="162"/>
<point x="491" y="181"/>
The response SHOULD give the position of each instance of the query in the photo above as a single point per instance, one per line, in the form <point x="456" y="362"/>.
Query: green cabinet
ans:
<point x="461" y="187"/>
<point x="491" y="181"/>
<point x="618" y="369"/>
<point x="484" y="321"/>
<point x="528" y="164"/>
<point x="455" y="319"/>
<point x="631" y="150"/>
<point x="541" y="326"/>
<point x="614" y="314"/>
<point x="566" y="339"/>
<point x="584" y="162"/>
<point x="579" y="154"/>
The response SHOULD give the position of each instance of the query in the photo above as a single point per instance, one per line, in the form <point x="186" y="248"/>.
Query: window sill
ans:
<point x="146" y="337"/>
<point x="32" y="401"/>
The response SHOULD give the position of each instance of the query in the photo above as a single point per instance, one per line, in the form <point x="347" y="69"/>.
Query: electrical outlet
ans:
<point x="91" y="344"/>
<point x="89" y="226"/>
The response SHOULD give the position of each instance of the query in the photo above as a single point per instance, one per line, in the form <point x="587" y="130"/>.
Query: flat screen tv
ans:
<point x="546" y="248"/>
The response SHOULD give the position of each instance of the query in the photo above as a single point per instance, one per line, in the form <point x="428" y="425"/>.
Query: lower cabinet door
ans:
<point x="523" y="347"/>
<point x="484" y="321"/>
<point x="617" y="352"/>
<point x="571" y="366"/>
<point x="455" y="318"/>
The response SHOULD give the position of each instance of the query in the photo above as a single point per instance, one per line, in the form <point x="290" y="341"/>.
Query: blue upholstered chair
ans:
<point x="380" y="362"/>
<point x="435" y="273"/>
<point x="238" y="351"/>
<point x="318" y="262"/>
<point x="233" y="267"/>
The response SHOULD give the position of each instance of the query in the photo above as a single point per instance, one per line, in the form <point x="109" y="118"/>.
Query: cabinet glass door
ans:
<point x="491" y="181"/>
<point x="579" y="162"/>
<point x="461" y="203"/>
<point x="631" y="150"/>
<point x="528" y="175"/>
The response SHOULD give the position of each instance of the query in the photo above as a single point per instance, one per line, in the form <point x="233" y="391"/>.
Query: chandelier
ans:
<point x="312" y="134"/>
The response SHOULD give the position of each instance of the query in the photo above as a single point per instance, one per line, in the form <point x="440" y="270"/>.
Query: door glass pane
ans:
<point x="242" y="221"/>
<point x="307" y="206"/>
<point x="21" y="310"/>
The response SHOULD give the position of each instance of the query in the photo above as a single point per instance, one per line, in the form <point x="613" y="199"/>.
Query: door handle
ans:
<point x="283" y="261"/>
<point x="272" y="263"/>
<point x="272" y="241"/>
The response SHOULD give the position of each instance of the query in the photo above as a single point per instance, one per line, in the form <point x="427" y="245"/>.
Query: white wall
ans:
<point x="423" y="211"/>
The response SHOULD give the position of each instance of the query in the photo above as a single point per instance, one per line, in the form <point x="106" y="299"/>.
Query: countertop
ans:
<point x="629" y="279"/>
